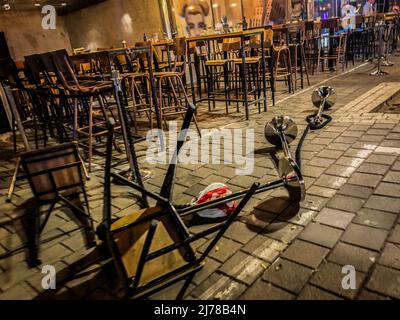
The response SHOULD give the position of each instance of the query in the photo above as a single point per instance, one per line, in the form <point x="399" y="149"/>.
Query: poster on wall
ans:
<point x="193" y="17"/>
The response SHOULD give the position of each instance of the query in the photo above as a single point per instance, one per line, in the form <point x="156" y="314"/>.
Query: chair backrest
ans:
<point x="34" y="69"/>
<point x="64" y="68"/>
<point x="231" y="45"/>
<point x="9" y="72"/>
<point x="332" y="23"/>
<point x="53" y="170"/>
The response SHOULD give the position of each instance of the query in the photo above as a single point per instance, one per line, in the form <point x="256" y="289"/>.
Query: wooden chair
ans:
<point x="151" y="248"/>
<point x="56" y="174"/>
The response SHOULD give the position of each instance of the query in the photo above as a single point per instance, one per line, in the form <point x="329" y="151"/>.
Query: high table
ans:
<point x="243" y="35"/>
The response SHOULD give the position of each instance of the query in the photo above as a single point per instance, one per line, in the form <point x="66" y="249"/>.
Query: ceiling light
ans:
<point x="37" y="4"/>
<point x="63" y="4"/>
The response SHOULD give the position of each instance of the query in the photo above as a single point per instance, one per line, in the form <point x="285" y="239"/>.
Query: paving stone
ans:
<point x="282" y="231"/>
<point x="383" y="203"/>
<point x="262" y="290"/>
<point x="20" y="291"/>
<point x="395" y="236"/>
<point x="368" y="295"/>
<point x="82" y="286"/>
<point x="345" y="254"/>
<point x="219" y="287"/>
<point x="357" y="153"/>
<point x="242" y="181"/>
<point x="300" y="217"/>
<point x="329" y="276"/>
<point x="202" y="172"/>
<point x="392" y="176"/>
<point x="335" y="218"/>
<point x="305" y="253"/>
<point x="330" y="154"/>
<point x="381" y="159"/>
<point x="365" y="180"/>
<point x="240" y="232"/>
<point x="321" y="191"/>
<point x="375" y="218"/>
<point x="338" y="146"/>
<point x="322" y="235"/>
<point x="329" y="181"/>
<point x="371" y="138"/>
<point x="364" y="145"/>
<point x="243" y="267"/>
<point x="396" y="166"/>
<point x="210" y="266"/>
<point x="341" y="171"/>
<point x="313" y="293"/>
<point x="356" y="134"/>
<point x="287" y="275"/>
<point x="385" y="281"/>
<point x="391" y="256"/>
<point x="388" y="189"/>
<point x="264" y="248"/>
<point x="321" y="162"/>
<point x="346" y="140"/>
<point x="257" y="219"/>
<point x="314" y="203"/>
<point x="313" y="171"/>
<point x="274" y="205"/>
<point x="365" y="237"/>
<point x="350" y="162"/>
<point x="344" y="203"/>
<point x="224" y="249"/>
<point x="356" y="191"/>
<point x="373" y="168"/>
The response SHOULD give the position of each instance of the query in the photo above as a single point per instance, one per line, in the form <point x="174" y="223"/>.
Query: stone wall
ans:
<point x="109" y="23"/>
<point x="25" y="35"/>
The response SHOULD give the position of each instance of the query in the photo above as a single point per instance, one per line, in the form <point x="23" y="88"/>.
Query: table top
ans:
<point x="236" y="34"/>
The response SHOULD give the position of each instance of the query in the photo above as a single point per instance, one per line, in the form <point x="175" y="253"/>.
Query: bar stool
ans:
<point x="84" y="111"/>
<point x="222" y="68"/>
<point x="282" y="57"/>
<point x="299" y="64"/>
<point x="173" y="98"/>
<point x="336" y="50"/>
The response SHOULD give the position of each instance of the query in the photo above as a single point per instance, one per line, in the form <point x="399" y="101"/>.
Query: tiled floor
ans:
<point x="277" y="249"/>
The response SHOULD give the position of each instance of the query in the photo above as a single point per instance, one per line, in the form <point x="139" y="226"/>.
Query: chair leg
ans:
<point x="90" y="142"/>
<point x="188" y="281"/>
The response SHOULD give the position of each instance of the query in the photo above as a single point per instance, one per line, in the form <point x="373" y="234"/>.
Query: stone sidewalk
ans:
<point x="277" y="249"/>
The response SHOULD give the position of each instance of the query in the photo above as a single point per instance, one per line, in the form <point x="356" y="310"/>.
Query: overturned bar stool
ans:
<point x="56" y="175"/>
<point x="151" y="248"/>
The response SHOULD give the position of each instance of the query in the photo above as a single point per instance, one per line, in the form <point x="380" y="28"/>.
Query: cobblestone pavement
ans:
<point x="276" y="249"/>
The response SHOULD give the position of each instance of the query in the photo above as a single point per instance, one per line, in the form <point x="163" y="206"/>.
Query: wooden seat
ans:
<point x="216" y="62"/>
<point x="248" y="60"/>
<point x="151" y="248"/>
<point x="55" y="174"/>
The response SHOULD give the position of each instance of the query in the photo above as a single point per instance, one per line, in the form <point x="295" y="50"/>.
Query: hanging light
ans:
<point x="64" y="4"/>
<point x="37" y="4"/>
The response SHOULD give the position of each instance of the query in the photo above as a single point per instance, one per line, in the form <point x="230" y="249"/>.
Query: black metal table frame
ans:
<point x="242" y="35"/>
